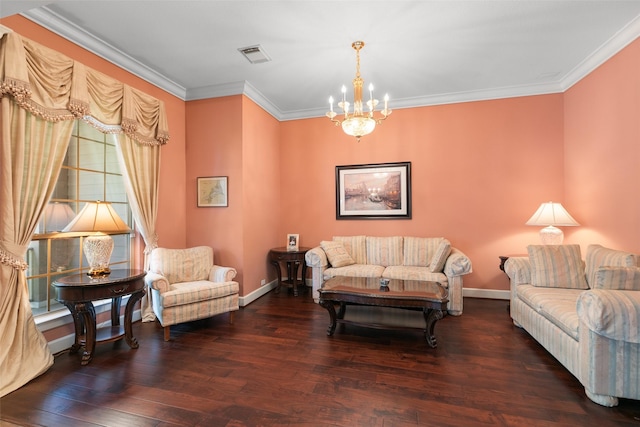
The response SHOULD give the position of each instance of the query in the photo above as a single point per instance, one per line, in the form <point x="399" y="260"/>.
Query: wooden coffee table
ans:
<point x="429" y="297"/>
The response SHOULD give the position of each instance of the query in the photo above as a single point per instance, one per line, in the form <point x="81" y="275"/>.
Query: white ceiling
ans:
<point x="420" y="52"/>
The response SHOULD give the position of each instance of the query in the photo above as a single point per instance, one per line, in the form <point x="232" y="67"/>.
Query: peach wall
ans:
<point x="602" y="151"/>
<point x="261" y="208"/>
<point x="479" y="171"/>
<point x="171" y="220"/>
<point x="214" y="148"/>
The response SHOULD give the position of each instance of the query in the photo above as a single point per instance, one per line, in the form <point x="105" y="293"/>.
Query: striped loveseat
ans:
<point x="585" y="313"/>
<point x="406" y="258"/>
<point x="185" y="285"/>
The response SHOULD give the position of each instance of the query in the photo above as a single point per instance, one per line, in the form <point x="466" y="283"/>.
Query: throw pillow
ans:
<point x="617" y="278"/>
<point x="599" y="256"/>
<point x="557" y="266"/>
<point x="336" y="253"/>
<point x="440" y="257"/>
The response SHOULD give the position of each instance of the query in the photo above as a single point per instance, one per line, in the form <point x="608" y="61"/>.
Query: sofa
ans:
<point x="586" y="313"/>
<point x="407" y="258"/>
<point x="186" y="285"/>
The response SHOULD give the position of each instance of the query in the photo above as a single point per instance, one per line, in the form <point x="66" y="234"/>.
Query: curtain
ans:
<point x="141" y="166"/>
<point x="41" y="93"/>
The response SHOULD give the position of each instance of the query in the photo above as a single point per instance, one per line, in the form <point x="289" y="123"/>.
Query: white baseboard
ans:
<point x="262" y="290"/>
<point x="486" y="293"/>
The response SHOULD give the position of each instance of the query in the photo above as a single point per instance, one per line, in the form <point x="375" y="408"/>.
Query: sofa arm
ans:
<point x="519" y="270"/>
<point x="219" y="274"/>
<point x="316" y="257"/>
<point x="156" y="281"/>
<point x="612" y="314"/>
<point x="457" y="264"/>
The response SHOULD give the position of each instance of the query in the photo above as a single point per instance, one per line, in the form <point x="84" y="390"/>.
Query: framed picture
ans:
<point x="213" y="191"/>
<point x="375" y="191"/>
<point x="292" y="242"/>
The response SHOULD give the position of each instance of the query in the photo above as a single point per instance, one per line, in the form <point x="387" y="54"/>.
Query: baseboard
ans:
<point x="486" y="293"/>
<point x="262" y="290"/>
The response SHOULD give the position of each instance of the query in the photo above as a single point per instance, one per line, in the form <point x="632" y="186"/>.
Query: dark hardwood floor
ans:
<point x="275" y="366"/>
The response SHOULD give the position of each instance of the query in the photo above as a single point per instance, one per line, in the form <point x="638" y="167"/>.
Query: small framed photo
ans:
<point x="213" y="191"/>
<point x="292" y="242"/>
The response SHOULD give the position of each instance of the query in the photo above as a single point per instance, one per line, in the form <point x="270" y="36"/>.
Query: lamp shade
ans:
<point x="551" y="213"/>
<point x="98" y="217"/>
<point x="57" y="216"/>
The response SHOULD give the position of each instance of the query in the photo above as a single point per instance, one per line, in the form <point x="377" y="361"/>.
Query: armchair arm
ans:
<point x="519" y="270"/>
<point x="222" y="274"/>
<point x="156" y="281"/>
<point x="316" y="257"/>
<point x="457" y="264"/>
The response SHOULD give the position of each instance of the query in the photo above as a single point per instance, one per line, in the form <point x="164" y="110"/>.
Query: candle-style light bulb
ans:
<point x="331" y="103"/>
<point x="344" y="93"/>
<point x="386" y="100"/>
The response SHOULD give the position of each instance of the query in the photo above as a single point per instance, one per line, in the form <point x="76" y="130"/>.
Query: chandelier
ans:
<point x="358" y="123"/>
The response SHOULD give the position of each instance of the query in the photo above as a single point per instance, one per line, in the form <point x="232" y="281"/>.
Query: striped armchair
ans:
<point x="185" y="285"/>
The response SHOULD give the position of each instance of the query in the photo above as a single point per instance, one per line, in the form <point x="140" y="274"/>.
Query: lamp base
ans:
<point x="551" y="236"/>
<point x="98" y="251"/>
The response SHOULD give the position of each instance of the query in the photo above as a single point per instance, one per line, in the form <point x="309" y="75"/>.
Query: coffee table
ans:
<point x="429" y="297"/>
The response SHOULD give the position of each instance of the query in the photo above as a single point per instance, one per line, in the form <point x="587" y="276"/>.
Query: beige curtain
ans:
<point x="41" y="92"/>
<point x="141" y="166"/>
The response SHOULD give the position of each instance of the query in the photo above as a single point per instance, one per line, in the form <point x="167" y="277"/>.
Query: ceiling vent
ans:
<point x="255" y="54"/>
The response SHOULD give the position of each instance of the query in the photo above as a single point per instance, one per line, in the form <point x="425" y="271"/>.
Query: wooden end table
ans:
<point x="78" y="291"/>
<point x="430" y="297"/>
<point x="292" y="259"/>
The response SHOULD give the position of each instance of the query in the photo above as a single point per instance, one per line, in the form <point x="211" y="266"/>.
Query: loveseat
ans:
<point x="407" y="258"/>
<point x="585" y="313"/>
<point x="186" y="285"/>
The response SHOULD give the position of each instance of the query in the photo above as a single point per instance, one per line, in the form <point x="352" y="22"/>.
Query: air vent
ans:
<point x="255" y="54"/>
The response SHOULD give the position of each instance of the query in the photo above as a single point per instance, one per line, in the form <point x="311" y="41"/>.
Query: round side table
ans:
<point x="292" y="260"/>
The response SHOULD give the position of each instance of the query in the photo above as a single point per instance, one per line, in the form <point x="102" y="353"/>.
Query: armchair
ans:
<point x="185" y="285"/>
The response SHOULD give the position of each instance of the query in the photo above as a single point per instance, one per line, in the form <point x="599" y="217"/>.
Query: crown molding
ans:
<point x="50" y="20"/>
<point x="47" y="18"/>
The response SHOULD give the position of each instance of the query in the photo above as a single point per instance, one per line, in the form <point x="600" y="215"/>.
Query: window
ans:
<point x="90" y="172"/>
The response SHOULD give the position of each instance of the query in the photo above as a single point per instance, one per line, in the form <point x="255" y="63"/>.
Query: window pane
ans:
<point x="65" y="254"/>
<point x="114" y="189"/>
<point x="37" y="258"/>
<point x="89" y="132"/>
<point x="38" y="294"/>
<point x="91" y="186"/>
<point x="111" y="157"/>
<point x="120" y="250"/>
<point x="66" y="186"/>
<point x="91" y="155"/>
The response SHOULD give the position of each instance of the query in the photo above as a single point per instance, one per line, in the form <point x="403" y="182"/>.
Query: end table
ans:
<point x="78" y="291"/>
<point x="293" y="259"/>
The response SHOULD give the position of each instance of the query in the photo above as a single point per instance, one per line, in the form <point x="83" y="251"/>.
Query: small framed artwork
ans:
<point x="292" y="242"/>
<point x="374" y="191"/>
<point x="213" y="191"/>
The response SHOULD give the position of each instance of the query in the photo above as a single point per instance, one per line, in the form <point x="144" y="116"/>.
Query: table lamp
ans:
<point x="551" y="215"/>
<point x="97" y="217"/>
<point x="57" y="216"/>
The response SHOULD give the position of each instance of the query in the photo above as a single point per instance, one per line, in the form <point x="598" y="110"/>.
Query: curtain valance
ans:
<point x="55" y="87"/>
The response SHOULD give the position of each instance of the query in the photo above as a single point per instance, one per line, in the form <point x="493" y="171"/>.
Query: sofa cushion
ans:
<point x="384" y="251"/>
<point x="406" y="272"/>
<point x="599" y="256"/>
<point x="440" y="257"/>
<point x="556" y="305"/>
<point x="617" y="278"/>
<point x="418" y="251"/>
<point x="356" y="246"/>
<point x="557" y="266"/>
<point x="336" y="253"/>
<point x="201" y="290"/>
<point x="355" y="270"/>
<point x="182" y="265"/>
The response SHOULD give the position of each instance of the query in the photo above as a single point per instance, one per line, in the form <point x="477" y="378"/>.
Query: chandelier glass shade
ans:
<point x="359" y="122"/>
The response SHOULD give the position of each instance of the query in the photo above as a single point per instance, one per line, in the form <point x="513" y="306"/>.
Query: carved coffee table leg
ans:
<point x="342" y="310"/>
<point x="332" y="315"/>
<point x="431" y="316"/>
<point x="128" y="315"/>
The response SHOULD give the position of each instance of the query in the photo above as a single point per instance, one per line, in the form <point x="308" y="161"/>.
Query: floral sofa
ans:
<point x="585" y="313"/>
<point x="397" y="257"/>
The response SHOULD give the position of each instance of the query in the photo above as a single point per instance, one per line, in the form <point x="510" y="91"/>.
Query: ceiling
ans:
<point x="419" y="52"/>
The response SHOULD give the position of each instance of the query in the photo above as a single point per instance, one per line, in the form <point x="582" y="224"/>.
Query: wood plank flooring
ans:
<point x="275" y="366"/>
